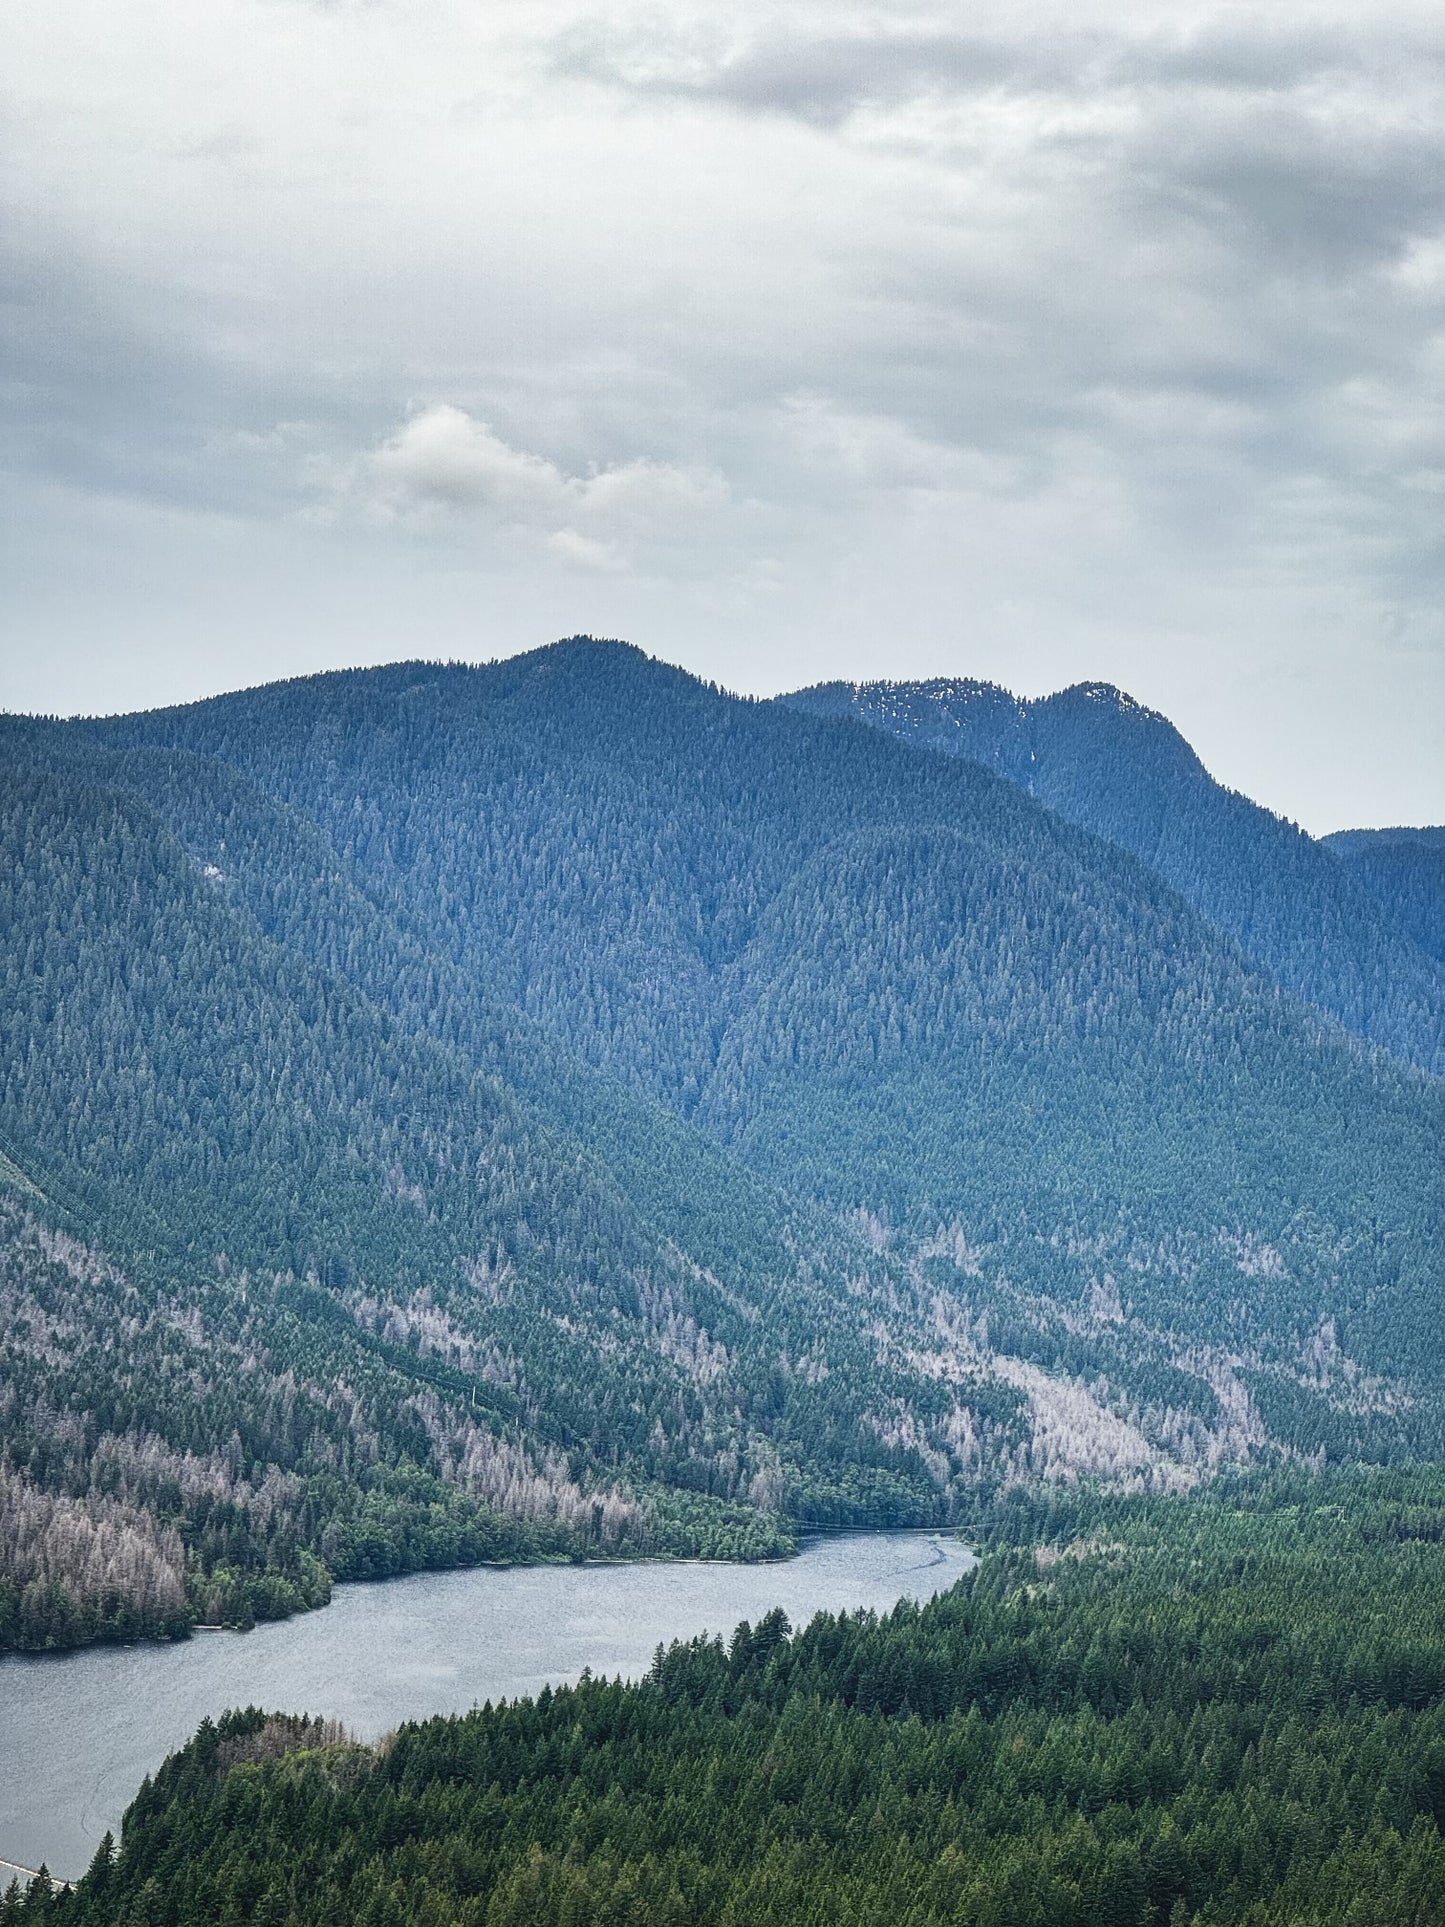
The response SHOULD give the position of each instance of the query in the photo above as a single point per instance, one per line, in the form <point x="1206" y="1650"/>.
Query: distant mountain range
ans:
<point x="456" y="1112"/>
<point x="1354" y="924"/>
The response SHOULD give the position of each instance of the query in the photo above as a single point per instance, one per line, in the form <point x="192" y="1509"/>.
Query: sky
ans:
<point x="791" y="342"/>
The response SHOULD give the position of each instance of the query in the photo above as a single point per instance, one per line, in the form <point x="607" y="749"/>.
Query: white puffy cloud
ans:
<point x="444" y="459"/>
<point x="443" y="456"/>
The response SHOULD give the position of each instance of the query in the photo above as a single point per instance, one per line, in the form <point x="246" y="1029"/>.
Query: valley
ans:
<point x="556" y="1137"/>
<point x="559" y="1110"/>
<point x="722" y="965"/>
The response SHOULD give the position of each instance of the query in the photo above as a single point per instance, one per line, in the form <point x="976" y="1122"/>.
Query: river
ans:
<point x="79" y="1731"/>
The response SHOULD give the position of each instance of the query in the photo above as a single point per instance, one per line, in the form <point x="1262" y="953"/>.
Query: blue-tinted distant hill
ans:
<point x="1404" y="870"/>
<point x="1358" y="935"/>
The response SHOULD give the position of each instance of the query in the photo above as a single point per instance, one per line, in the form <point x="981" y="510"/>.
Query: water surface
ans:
<point x="79" y="1731"/>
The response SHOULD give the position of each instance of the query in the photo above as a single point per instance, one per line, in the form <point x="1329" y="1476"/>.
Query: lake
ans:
<point x="79" y="1731"/>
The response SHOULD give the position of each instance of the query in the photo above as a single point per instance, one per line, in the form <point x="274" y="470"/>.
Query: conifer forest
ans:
<point x="560" y="1111"/>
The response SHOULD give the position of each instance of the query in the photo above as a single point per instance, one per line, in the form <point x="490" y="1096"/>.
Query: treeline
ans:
<point x="72" y="1570"/>
<point x="1133" y="1714"/>
<point x="404" y="1280"/>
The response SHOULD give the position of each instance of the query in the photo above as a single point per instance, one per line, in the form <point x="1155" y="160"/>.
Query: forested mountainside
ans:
<point x="374" y="1310"/>
<point x="1335" y="933"/>
<point x="558" y="1107"/>
<point x="1404" y="870"/>
<point x="1133" y="1714"/>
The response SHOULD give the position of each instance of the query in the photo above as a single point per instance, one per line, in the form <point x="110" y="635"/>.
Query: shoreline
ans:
<point x="807" y="1535"/>
<point x="458" y="1638"/>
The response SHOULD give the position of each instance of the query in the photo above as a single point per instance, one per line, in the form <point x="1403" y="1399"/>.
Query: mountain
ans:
<point x="559" y="1107"/>
<point x="1404" y="871"/>
<point x="308" y="1293"/>
<point x="1319" y="926"/>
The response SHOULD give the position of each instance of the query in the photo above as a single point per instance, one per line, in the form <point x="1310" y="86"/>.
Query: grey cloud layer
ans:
<point x="791" y="341"/>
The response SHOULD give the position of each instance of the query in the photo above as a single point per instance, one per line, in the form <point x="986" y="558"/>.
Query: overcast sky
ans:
<point x="790" y="342"/>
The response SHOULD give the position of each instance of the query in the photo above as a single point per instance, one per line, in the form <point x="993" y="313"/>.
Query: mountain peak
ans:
<point x="1356" y="929"/>
<point x="1107" y="695"/>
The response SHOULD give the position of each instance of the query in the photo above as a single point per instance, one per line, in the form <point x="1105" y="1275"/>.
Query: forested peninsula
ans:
<point x="1136" y="1712"/>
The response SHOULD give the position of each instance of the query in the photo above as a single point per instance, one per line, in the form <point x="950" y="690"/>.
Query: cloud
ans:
<point x="819" y="79"/>
<point x="1050" y="343"/>
<point x="443" y="456"/>
<point x="825" y="78"/>
<point x="444" y="459"/>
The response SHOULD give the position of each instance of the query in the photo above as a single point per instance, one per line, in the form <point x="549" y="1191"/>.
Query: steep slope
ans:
<point x="896" y="984"/>
<point x="516" y="1110"/>
<point x="1404" y="871"/>
<point x="1123" y="771"/>
<point x="365" y="1299"/>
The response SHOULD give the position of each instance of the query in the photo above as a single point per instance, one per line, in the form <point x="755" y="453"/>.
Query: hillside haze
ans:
<point x="558" y="1105"/>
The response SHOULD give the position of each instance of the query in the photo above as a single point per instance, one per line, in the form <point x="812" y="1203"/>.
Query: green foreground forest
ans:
<point x="1136" y="1712"/>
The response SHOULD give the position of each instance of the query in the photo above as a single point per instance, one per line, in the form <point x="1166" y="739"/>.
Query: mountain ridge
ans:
<point x="671" y="1103"/>
<point x="1111" y="764"/>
